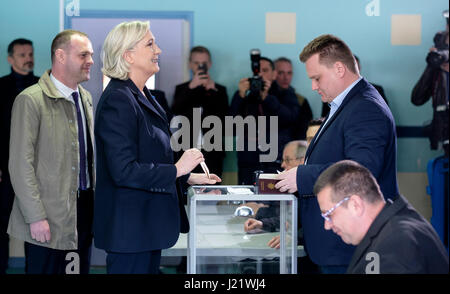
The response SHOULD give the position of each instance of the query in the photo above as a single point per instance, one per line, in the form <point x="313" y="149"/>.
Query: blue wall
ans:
<point x="231" y="28"/>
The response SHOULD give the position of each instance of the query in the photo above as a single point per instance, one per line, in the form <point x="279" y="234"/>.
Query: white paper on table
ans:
<point x="243" y="191"/>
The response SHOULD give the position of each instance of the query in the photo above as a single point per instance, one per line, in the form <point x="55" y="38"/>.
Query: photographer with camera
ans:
<point x="434" y="83"/>
<point x="261" y="95"/>
<point x="204" y="93"/>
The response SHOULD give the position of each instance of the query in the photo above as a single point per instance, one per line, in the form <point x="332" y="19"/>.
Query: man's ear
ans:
<point x="339" y="69"/>
<point x="356" y="205"/>
<point x="10" y="60"/>
<point x="60" y="55"/>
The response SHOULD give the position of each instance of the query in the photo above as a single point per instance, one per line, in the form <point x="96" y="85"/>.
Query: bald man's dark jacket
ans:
<point x="400" y="241"/>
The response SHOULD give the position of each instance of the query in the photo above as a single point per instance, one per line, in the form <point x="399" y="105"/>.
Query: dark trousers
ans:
<point x="6" y="203"/>
<point x="43" y="260"/>
<point x="133" y="263"/>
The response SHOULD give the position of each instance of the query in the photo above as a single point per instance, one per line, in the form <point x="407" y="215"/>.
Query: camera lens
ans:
<point x="437" y="58"/>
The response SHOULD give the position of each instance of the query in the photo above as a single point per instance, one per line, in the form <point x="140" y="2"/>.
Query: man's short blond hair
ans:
<point x="121" y="38"/>
<point x="331" y="49"/>
<point x="62" y="40"/>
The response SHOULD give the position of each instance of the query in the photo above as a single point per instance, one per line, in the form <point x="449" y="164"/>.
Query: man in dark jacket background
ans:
<point x="21" y="59"/>
<point x="285" y="72"/>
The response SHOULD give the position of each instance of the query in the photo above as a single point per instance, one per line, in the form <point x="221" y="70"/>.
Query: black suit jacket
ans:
<point x="7" y="97"/>
<point x="138" y="205"/>
<point x="404" y="242"/>
<point x="160" y="96"/>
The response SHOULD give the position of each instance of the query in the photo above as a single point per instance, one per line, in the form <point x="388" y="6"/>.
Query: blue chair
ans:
<point x="438" y="190"/>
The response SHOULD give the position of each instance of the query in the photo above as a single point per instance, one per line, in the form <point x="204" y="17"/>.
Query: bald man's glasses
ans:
<point x="326" y="215"/>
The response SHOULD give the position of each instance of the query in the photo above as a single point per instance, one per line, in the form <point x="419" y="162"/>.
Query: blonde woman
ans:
<point x="139" y="208"/>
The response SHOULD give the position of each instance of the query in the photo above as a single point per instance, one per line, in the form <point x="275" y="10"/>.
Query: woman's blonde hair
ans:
<point x="121" y="38"/>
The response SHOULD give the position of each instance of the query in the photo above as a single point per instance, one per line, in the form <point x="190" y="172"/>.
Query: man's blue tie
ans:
<point x="82" y="144"/>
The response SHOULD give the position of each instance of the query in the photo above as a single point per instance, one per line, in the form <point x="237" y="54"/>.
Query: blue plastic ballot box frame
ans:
<point x="216" y="232"/>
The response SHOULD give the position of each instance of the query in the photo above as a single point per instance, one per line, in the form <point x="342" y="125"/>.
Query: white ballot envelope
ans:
<point x="205" y="169"/>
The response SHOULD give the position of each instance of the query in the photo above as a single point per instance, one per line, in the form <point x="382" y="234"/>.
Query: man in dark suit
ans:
<point x="21" y="59"/>
<point x="360" y="127"/>
<point x="392" y="237"/>
<point x="203" y="93"/>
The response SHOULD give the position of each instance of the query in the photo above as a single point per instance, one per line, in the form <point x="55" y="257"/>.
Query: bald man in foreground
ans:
<point x="392" y="237"/>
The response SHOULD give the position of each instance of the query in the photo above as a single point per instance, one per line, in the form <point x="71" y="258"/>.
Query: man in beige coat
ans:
<point x="51" y="163"/>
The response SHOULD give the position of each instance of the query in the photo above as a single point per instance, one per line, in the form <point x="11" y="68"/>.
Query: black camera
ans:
<point x="437" y="58"/>
<point x="203" y="69"/>
<point x="256" y="82"/>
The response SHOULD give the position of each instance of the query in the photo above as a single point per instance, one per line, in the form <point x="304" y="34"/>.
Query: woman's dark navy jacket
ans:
<point x="138" y="200"/>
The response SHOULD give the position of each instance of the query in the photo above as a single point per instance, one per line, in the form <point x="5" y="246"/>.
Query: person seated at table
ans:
<point x="293" y="155"/>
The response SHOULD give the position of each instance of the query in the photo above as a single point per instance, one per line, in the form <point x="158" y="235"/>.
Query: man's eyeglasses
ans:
<point x="326" y="215"/>
<point x="287" y="159"/>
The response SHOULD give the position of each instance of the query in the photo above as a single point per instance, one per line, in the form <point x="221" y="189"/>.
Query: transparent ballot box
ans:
<point x="218" y="243"/>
